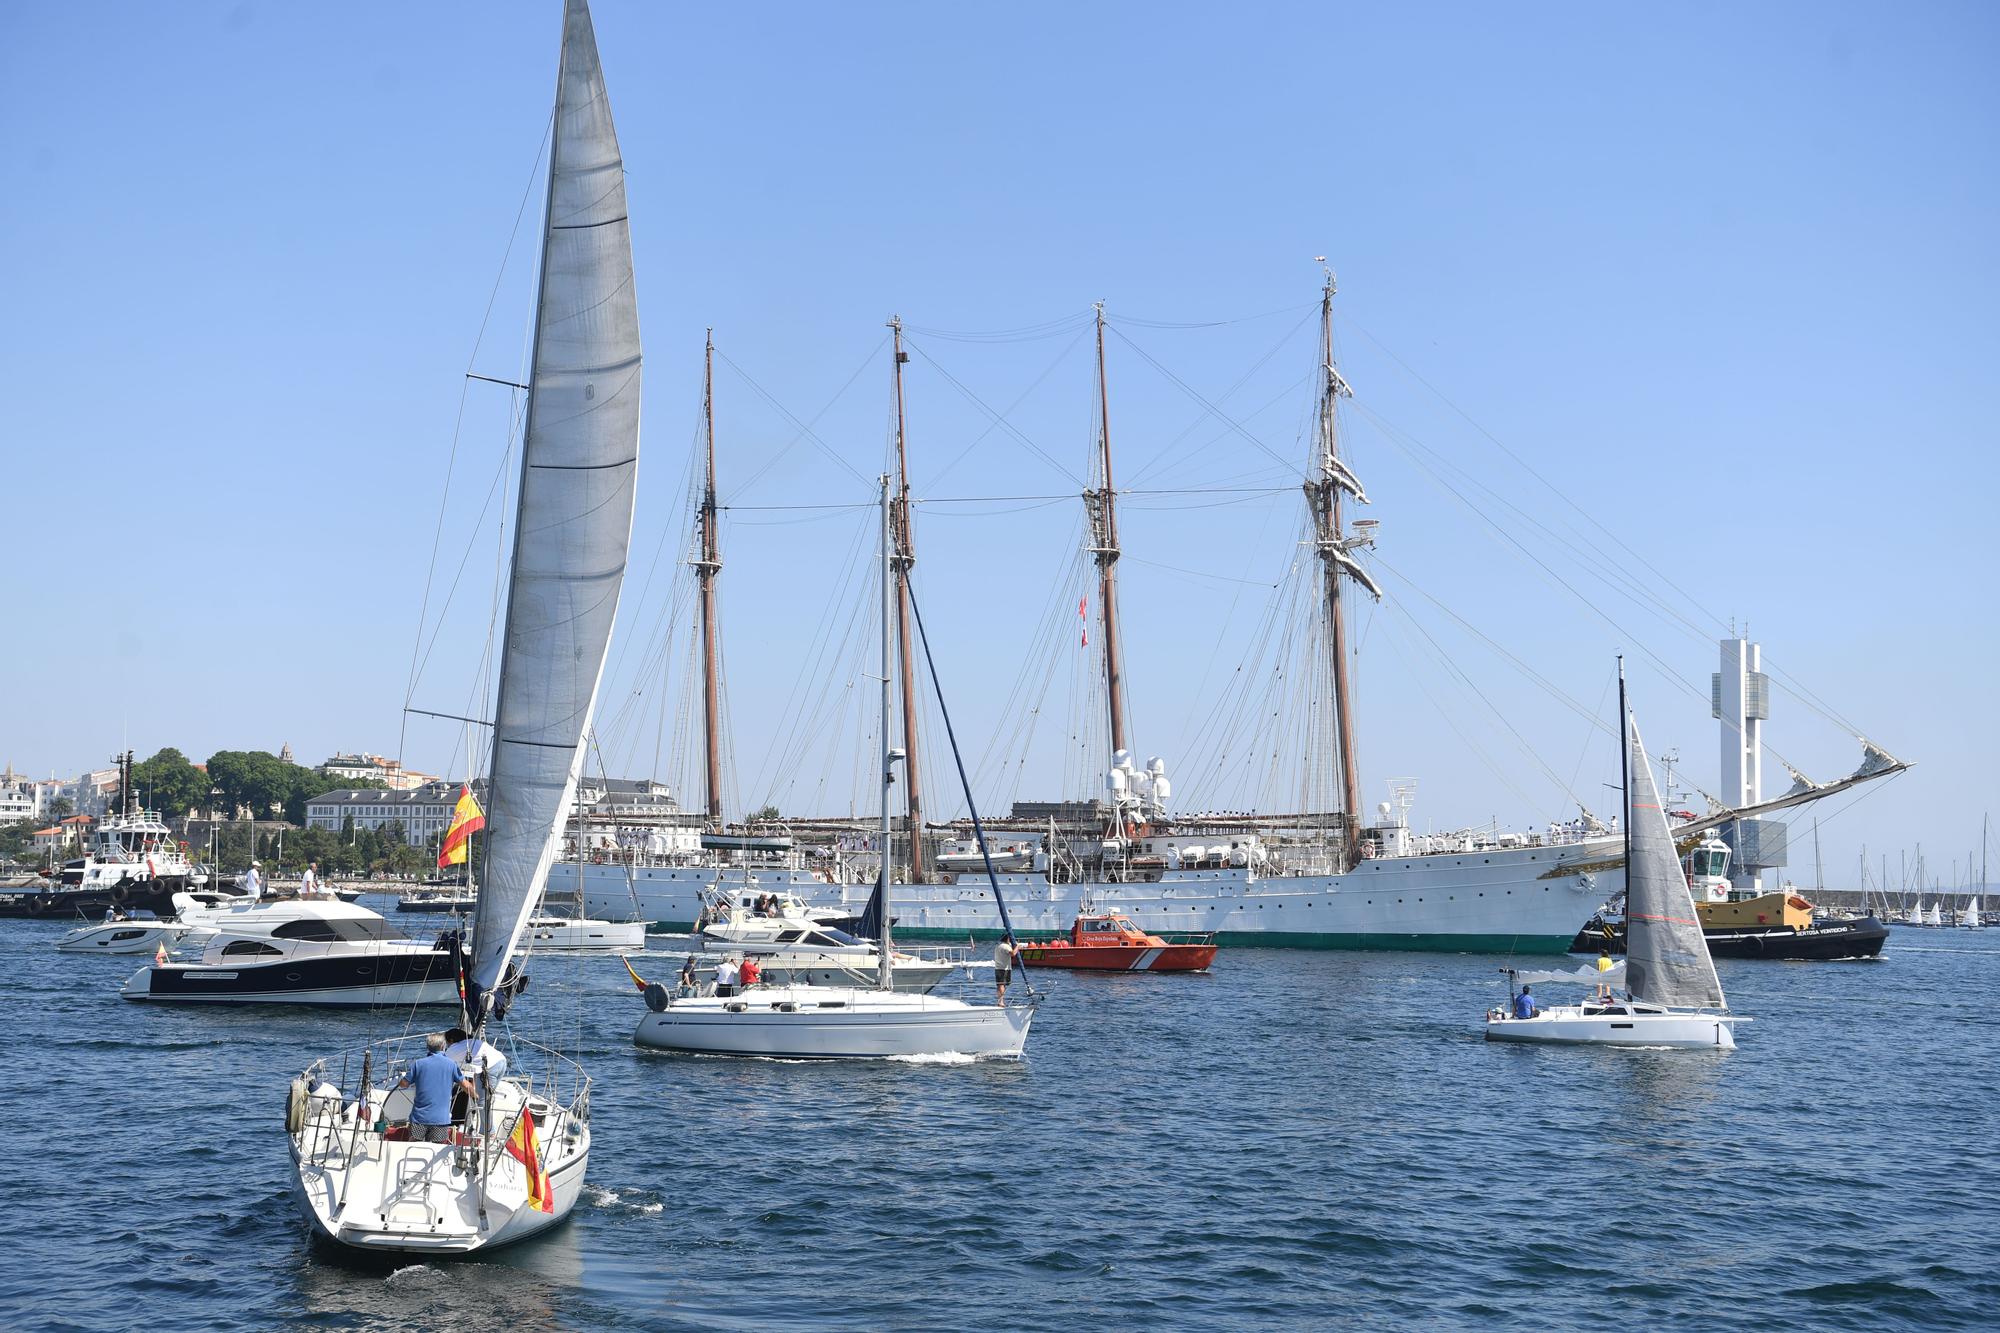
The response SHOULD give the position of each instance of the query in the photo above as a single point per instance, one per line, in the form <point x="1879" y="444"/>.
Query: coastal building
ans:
<point x="364" y="767"/>
<point x="425" y="811"/>
<point x="20" y="798"/>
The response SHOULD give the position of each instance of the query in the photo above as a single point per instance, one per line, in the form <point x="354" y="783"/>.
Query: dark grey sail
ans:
<point x="1666" y="958"/>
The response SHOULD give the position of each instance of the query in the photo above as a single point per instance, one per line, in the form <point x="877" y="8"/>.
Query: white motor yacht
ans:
<point x="1673" y="997"/>
<point x="133" y="933"/>
<point x="314" y="951"/>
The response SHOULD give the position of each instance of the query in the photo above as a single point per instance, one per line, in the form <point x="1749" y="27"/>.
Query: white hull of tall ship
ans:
<point x="1618" y="1025"/>
<point x="835" y="1023"/>
<point x="1500" y="900"/>
<point x="363" y="1188"/>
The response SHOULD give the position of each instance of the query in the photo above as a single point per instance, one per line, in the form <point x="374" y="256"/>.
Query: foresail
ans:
<point x="1666" y="958"/>
<point x="574" y="520"/>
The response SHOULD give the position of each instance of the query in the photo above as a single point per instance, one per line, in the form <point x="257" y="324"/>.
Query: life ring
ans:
<point x="295" y="1106"/>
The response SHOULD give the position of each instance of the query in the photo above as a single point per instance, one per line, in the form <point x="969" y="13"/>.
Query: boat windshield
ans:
<point x="316" y="928"/>
<point x="828" y="935"/>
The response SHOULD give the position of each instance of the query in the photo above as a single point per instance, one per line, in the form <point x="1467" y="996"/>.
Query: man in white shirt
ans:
<point x="727" y="975"/>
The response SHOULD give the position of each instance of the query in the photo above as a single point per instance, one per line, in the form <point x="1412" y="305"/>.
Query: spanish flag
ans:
<point x="523" y="1148"/>
<point x="466" y="820"/>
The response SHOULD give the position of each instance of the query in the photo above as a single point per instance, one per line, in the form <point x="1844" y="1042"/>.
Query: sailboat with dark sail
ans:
<point x="368" y="1173"/>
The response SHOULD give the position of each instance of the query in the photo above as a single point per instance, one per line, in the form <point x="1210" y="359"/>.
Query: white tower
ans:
<point x="1740" y="697"/>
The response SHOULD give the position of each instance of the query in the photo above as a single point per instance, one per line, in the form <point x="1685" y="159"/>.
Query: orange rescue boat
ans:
<point x="1109" y="942"/>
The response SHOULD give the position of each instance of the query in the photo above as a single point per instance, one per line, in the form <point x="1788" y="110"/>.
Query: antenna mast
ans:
<point x="706" y="569"/>
<point x="906" y="556"/>
<point x="1337" y="563"/>
<point x="1102" y="504"/>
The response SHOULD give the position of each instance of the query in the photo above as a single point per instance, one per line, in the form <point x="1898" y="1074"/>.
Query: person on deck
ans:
<point x="749" y="974"/>
<point x="309" y="882"/>
<point x="689" y="984"/>
<point x="1524" y="1004"/>
<point x="251" y="882"/>
<point x="433" y="1078"/>
<point x="1003" y="968"/>
<point x="727" y="974"/>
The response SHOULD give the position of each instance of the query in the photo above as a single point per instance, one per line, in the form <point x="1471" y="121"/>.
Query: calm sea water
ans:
<point x="1297" y="1139"/>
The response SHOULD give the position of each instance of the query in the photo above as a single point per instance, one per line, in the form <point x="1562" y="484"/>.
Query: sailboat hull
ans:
<point x="374" y="1191"/>
<point x="825" y="1023"/>
<point x="1520" y="900"/>
<point x="1575" y="1025"/>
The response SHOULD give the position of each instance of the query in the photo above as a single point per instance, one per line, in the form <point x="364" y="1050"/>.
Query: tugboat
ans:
<point x="133" y="864"/>
<point x="1738" y="923"/>
<point x="1109" y="942"/>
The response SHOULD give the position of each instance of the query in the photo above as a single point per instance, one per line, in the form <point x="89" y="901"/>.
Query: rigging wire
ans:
<point x="451" y="460"/>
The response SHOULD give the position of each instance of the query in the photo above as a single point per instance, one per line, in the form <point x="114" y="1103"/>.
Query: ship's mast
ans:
<point x="706" y="569"/>
<point x="906" y="556"/>
<point x="1337" y="564"/>
<point x="1102" y="504"/>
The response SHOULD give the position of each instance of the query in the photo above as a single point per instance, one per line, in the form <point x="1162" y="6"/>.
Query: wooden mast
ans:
<point x="904" y="557"/>
<point x="1102" y="504"/>
<point x="706" y="569"/>
<point x="1337" y="563"/>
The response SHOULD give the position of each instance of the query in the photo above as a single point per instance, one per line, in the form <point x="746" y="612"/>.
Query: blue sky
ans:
<point x="1722" y="274"/>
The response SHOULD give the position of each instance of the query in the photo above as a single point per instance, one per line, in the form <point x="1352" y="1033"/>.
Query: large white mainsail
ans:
<point x="574" y="522"/>
<point x="1666" y="957"/>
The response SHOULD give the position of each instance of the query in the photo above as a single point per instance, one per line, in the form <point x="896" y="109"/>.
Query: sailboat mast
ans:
<point x="1337" y="563"/>
<point x="1103" y="506"/>
<point x="1625" y="772"/>
<point x="706" y="569"/>
<point x="884" y="980"/>
<point x="906" y="556"/>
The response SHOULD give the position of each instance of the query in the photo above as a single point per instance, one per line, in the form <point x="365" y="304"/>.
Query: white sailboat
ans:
<point x="1970" y="916"/>
<point x="1936" y="917"/>
<point x="1673" y="995"/>
<point x="1916" y="915"/>
<point x="842" y="1022"/>
<point x="515" y="1164"/>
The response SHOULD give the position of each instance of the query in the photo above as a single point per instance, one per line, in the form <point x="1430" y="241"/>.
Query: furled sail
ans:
<point x="574" y="521"/>
<point x="1666" y="958"/>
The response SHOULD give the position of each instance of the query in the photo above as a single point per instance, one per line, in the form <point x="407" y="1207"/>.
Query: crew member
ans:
<point x="1524" y="1004"/>
<point x="433" y="1078"/>
<point x="1003" y="968"/>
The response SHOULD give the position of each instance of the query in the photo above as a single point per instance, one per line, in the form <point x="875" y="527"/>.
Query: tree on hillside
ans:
<point x="169" y="783"/>
<point x="60" y="808"/>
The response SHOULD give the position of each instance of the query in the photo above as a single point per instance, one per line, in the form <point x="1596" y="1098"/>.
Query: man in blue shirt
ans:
<point x="1524" y="1004"/>
<point x="433" y="1078"/>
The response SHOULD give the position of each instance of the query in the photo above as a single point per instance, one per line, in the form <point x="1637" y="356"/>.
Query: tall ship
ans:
<point x="1344" y="877"/>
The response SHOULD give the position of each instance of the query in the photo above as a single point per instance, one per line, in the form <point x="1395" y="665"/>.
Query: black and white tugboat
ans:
<point x="133" y="864"/>
<point x="1741" y="923"/>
